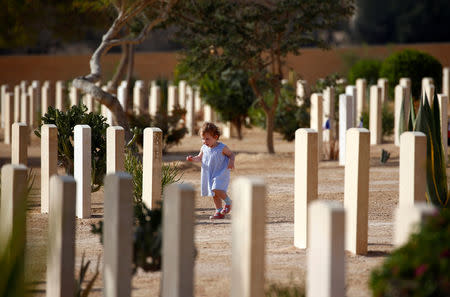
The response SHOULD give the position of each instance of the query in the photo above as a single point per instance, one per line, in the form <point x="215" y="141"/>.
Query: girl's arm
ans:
<point x="227" y="152"/>
<point x="197" y="158"/>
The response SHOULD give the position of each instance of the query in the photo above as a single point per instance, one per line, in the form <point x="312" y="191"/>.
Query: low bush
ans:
<point x="365" y="68"/>
<point x="65" y="123"/>
<point x="413" y="64"/>
<point x="421" y="267"/>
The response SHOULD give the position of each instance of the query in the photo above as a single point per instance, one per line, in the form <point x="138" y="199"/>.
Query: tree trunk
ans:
<point x="270" y="123"/>
<point x="130" y="68"/>
<point x="238" y="123"/>
<point x="108" y="100"/>
<point x="124" y="61"/>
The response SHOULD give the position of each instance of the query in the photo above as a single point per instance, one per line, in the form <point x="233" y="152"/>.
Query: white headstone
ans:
<point x="248" y="237"/>
<point x="375" y="115"/>
<point x="328" y="114"/>
<point x="400" y="97"/>
<point x="345" y="122"/>
<point x="356" y="189"/>
<point x="306" y="182"/>
<point x="361" y="101"/>
<point x="172" y="98"/>
<point x="49" y="162"/>
<point x="325" y="276"/>
<point x="152" y="162"/>
<point x="384" y="85"/>
<point x="82" y="169"/>
<point x="443" y="105"/>
<point x="316" y="119"/>
<point x="118" y="235"/>
<point x="408" y="219"/>
<point x="61" y="235"/>
<point x="178" y="241"/>
<point x="413" y="158"/>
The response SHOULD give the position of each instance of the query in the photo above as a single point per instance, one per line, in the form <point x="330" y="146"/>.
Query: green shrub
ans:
<point x="172" y="130"/>
<point x="419" y="268"/>
<point x="365" y="68"/>
<point x="66" y="122"/>
<point x="276" y="290"/>
<point x="413" y="64"/>
<point x="387" y="120"/>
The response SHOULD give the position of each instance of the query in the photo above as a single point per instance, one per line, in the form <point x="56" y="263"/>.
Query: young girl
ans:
<point x="216" y="160"/>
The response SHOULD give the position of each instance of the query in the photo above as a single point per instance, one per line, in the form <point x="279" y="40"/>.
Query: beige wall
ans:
<point x="311" y="64"/>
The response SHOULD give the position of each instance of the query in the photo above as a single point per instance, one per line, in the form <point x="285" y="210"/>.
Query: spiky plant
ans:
<point x="428" y="122"/>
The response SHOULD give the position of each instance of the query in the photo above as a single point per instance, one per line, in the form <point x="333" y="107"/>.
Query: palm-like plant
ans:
<point x="428" y="121"/>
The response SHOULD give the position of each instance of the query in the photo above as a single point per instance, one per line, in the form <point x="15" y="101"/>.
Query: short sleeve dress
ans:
<point x="215" y="174"/>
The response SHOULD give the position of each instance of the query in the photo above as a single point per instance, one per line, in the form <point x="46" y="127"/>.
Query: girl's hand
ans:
<point x="189" y="158"/>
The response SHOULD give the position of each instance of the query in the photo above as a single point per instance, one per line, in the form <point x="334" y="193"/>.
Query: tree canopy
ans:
<point x="255" y="36"/>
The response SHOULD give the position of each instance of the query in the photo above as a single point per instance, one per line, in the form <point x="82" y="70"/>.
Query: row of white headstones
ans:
<point x="25" y="101"/>
<point x="325" y="228"/>
<point x="353" y="103"/>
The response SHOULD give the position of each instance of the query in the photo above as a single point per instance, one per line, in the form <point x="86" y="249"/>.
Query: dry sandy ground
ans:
<point x="284" y="263"/>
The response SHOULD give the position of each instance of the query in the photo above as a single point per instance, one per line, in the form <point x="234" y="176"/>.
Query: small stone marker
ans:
<point x="151" y="176"/>
<point x="49" y="162"/>
<point x="60" y="98"/>
<point x="361" y="101"/>
<point x="45" y="99"/>
<point x="400" y="98"/>
<point x="345" y="122"/>
<point x="406" y="82"/>
<point x="61" y="231"/>
<point x="13" y="217"/>
<point x="115" y="152"/>
<point x="24" y="108"/>
<point x="383" y="83"/>
<point x="82" y="169"/>
<point x="413" y="161"/>
<point x="248" y="237"/>
<point x="197" y="100"/>
<point x="17" y="104"/>
<point x="316" y="119"/>
<point x="172" y="98"/>
<point x="375" y="115"/>
<point x="138" y="97"/>
<point x="155" y="100"/>
<point x="178" y="241"/>
<point x="328" y="114"/>
<point x="182" y="93"/>
<point x="208" y="113"/>
<point x="446" y="81"/>
<point x="3" y="91"/>
<point x="351" y="90"/>
<point x="325" y="276"/>
<point x="443" y="105"/>
<point x="9" y="116"/>
<point x="356" y="189"/>
<point x="89" y="102"/>
<point x="122" y="94"/>
<point x="301" y="91"/>
<point x="118" y="235"/>
<point x="427" y="88"/>
<point x="19" y="145"/>
<point x="74" y="96"/>
<point x="306" y="182"/>
<point x="35" y="98"/>
<point x="190" y="111"/>
<point x="408" y="219"/>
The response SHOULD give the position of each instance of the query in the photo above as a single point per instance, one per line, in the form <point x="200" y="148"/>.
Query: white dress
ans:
<point x="215" y="174"/>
